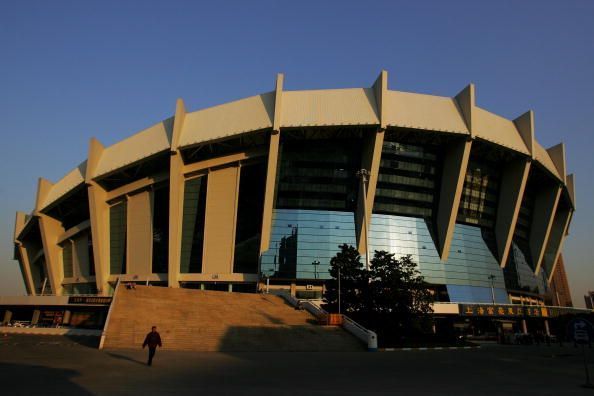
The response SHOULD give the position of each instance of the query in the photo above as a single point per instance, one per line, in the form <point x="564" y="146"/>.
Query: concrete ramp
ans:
<point x="218" y="321"/>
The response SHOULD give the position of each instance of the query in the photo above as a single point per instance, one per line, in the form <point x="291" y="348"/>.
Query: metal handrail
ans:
<point x="364" y="334"/>
<point x="367" y="336"/>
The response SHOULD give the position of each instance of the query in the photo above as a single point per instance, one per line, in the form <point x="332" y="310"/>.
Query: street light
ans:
<point x="315" y="263"/>
<point x="363" y="174"/>
<point x="492" y="278"/>
<point x="268" y="273"/>
<point x="339" y="311"/>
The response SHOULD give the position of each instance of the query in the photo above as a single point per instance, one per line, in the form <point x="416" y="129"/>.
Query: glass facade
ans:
<point x="478" y="204"/>
<point x="407" y="181"/>
<point x="39" y="275"/>
<point x="67" y="259"/>
<point x="193" y="225"/>
<point x="519" y="276"/>
<point x="252" y="182"/>
<point x="160" y="229"/>
<point x="465" y="273"/>
<point x="522" y="230"/>
<point x="301" y="237"/>
<point x="318" y="175"/>
<point x="117" y="238"/>
<point x="80" y="288"/>
<point x="91" y="255"/>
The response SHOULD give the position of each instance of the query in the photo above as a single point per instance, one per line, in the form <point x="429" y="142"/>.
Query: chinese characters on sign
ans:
<point x="503" y="310"/>
<point x="89" y="300"/>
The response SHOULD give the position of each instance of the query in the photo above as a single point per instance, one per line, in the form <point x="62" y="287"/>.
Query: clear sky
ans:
<point x="70" y="70"/>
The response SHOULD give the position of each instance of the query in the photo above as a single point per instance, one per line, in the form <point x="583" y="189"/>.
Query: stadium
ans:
<point x="260" y="192"/>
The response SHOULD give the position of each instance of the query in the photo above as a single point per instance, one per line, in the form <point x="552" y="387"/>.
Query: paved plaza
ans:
<point x="36" y="365"/>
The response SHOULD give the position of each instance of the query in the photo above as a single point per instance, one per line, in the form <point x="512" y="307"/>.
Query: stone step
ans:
<point x="211" y="321"/>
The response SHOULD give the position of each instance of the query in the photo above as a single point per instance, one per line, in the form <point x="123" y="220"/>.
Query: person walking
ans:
<point x="152" y="339"/>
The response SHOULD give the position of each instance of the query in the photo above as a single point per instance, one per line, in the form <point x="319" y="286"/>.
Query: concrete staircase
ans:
<point x="218" y="321"/>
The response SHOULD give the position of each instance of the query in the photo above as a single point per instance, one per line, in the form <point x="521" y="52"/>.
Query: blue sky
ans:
<point x="73" y="70"/>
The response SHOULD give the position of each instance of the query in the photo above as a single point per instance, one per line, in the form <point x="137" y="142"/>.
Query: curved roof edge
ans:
<point x="73" y="179"/>
<point x="353" y="106"/>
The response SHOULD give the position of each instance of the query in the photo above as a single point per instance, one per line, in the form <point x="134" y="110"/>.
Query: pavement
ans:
<point x="48" y="365"/>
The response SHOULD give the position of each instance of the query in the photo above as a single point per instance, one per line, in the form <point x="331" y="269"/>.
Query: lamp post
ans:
<point x="339" y="310"/>
<point x="268" y="273"/>
<point x="363" y="174"/>
<point x="492" y="278"/>
<point x="315" y="263"/>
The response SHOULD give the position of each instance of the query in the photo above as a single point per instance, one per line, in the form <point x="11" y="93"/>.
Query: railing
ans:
<point x="313" y="309"/>
<point x="366" y="336"/>
<point x="360" y="332"/>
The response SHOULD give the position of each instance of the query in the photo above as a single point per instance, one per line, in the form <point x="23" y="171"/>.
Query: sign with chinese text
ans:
<point x="488" y="310"/>
<point x="91" y="300"/>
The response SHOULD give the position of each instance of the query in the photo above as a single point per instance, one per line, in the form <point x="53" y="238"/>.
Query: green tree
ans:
<point x="391" y="297"/>
<point x="398" y="296"/>
<point x="352" y="276"/>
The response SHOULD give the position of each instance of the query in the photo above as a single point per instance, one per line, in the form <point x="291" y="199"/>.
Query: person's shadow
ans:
<point x="123" y="357"/>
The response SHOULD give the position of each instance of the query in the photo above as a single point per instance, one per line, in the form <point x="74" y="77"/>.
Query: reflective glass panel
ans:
<point x="303" y="242"/>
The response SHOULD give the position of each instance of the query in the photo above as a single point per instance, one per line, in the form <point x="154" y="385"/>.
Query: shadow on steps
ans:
<point x="304" y="338"/>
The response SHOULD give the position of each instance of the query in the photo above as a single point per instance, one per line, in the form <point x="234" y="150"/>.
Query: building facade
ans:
<point x="269" y="186"/>
<point x="560" y="294"/>
<point x="589" y="300"/>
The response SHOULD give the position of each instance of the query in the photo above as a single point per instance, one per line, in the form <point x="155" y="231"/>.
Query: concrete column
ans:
<point x="176" y="197"/>
<point x="547" y="329"/>
<point x="220" y="221"/>
<point x="26" y="266"/>
<point x="21" y="255"/>
<point x="524" y="326"/>
<point x="466" y="100"/>
<point x="36" y="315"/>
<point x="372" y="153"/>
<point x="545" y="207"/>
<point x="370" y="161"/>
<point x="557" y="236"/>
<point x="230" y="287"/>
<point x="513" y="183"/>
<point x="272" y="166"/>
<point x="7" y="317"/>
<point x="139" y="234"/>
<point x="525" y="126"/>
<point x="66" y="318"/>
<point x="452" y="182"/>
<point x="50" y="230"/>
<point x="99" y="213"/>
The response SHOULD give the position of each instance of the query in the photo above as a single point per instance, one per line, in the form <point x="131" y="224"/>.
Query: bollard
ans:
<point x="372" y="342"/>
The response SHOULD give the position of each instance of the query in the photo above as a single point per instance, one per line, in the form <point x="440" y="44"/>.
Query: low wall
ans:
<point x="49" y="331"/>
